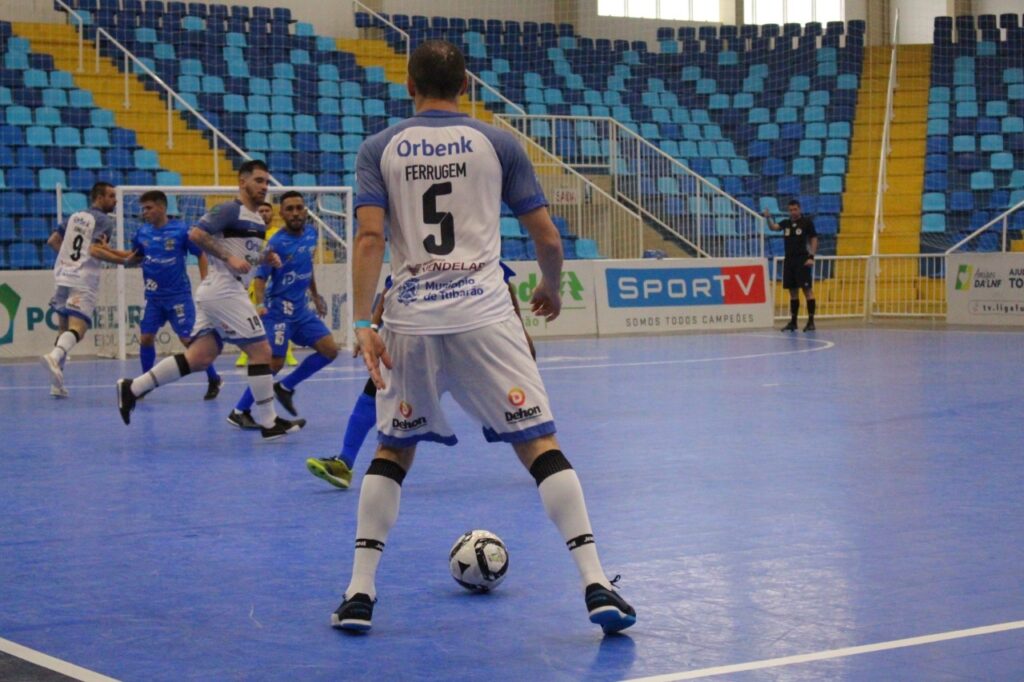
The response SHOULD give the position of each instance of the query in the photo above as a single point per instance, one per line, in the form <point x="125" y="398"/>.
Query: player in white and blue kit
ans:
<point x="438" y="179"/>
<point x="232" y="235"/>
<point x="162" y="246"/>
<point x="286" y="313"/>
<point x="81" y="244"/>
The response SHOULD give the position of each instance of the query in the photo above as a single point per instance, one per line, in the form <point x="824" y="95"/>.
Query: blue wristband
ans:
<point x="362" y="324"/>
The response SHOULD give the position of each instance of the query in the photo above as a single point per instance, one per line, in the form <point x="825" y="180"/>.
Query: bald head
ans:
<point x="437" y="70"/>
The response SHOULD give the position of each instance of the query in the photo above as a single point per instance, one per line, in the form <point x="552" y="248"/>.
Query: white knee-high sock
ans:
<point x="379" y="497"/>
<point x="166" y="371"/>
<point x="562" y="495"/>
<point x="261" y="383"/>
<point x="65" y="342"/>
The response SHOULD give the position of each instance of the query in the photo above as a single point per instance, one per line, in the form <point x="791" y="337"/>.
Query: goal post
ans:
<point x="122" y="294"/>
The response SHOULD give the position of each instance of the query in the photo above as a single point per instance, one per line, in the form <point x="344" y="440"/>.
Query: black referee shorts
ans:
<point x="796" y="275"/>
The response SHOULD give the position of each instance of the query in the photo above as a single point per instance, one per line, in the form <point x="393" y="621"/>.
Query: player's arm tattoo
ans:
<point x="55" y="240"/>
<point x="205" y="241"/>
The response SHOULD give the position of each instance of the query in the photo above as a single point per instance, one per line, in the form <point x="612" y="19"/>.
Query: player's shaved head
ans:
<point x="437" y="70"/>
<point x="103" y="197"/>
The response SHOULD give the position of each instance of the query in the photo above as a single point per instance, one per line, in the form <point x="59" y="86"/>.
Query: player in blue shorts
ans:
<point x="162" y="246"/>
<point x="338" y="470"/>
<point x="286" y="313"/>
<point x="437" y="180"/>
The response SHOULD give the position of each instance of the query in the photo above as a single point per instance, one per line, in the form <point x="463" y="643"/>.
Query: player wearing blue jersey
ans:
<point x="232" y="236"/>
<point x="338" y="470"/>
<point x="162" y="246"/>
<point x="438" y="179"/>
<point x="81" y="243"/>
<point x="285" y="307"/>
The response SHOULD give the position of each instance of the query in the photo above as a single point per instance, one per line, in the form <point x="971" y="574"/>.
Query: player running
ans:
<point x="162" y="246"/>
<point x="287" y="315"/>
<point x="439" y="178"/>
<point x="81" y="245"/>
<point x="337" y="470"/>
<point x="231" y="234"/>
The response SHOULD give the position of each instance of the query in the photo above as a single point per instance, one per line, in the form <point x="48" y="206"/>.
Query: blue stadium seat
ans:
<point x="933" y="222"/>
<point x="23" y="255"/>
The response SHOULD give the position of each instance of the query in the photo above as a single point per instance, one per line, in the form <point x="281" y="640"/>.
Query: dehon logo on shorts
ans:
<point x="9" y="302"/>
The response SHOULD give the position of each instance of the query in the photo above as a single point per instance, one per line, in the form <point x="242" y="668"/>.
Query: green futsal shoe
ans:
<point x="332" y="470"/>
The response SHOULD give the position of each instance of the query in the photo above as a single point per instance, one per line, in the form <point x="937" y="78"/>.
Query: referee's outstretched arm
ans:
<point x="772" y="225"/>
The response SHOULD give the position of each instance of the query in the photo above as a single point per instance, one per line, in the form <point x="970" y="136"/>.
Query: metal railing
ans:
<point x="174" y="98"/>
<point x="477" y="86"/>
<point x="1003" y="218"/>
<point x="866" y="287"/>
<point x="886" y="149"/>
<point x="591" y="212"/>
<point x="651" y="181"/>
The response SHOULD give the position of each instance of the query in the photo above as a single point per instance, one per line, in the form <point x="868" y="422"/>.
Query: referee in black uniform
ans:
<point x="798" y="267"/>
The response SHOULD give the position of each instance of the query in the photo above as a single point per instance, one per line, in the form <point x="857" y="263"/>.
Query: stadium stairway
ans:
<point x="371" y="52"/>
<point x="902" y="216"/>
<point x="191" y="155"/>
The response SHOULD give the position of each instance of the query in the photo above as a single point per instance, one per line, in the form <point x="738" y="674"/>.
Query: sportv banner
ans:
<point x="985" y="289"/>
<point x="644" y="296"/>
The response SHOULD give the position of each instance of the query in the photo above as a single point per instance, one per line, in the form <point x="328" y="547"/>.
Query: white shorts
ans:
<point x="233" y="318"/>
<point x="74" y="302"/>
<point x="489" y="372"/>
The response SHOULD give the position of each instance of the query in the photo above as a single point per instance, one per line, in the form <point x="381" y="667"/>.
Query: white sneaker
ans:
<point x="59" y="392"/>
<point x="56" y="373"/>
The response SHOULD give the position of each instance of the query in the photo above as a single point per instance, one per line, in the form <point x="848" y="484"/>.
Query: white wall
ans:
<point x="39" y="11"/>
<point x="998" y="7"/>
<point x="917" y="19"/>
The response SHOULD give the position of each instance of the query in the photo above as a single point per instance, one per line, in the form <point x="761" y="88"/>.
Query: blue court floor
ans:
<point x="762" y="495"/>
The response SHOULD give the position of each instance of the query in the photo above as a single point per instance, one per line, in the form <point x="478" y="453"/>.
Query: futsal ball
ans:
<point x="478" y="560"/>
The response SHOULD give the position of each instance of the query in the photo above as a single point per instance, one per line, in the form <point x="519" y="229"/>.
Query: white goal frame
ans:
<point x="324" y="232"/>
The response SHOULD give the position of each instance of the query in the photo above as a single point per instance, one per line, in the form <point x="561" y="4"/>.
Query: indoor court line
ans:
<point x="833" y="653"/>
<point x="50" y="663"/>
<point x="361" y="377"/>
<point x="724" y="358"/>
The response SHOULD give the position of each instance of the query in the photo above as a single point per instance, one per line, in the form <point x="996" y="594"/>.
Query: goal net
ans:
<point x="122" y="297"/>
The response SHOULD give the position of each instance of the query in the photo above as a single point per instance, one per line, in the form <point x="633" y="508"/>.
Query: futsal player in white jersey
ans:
<point x="232" y="235"/>
<point x="439" y="179"/>
<point x="81" y="244"/>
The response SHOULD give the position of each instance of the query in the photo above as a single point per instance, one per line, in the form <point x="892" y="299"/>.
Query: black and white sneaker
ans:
<point x="285" y="397"/>
<point x="213" y="388"/>
<point x="125" y="399"/>
<point x="281" y="427"/>
<point x="242" y="420"/>
<point x="608" y="609"/>
<point x="354" y="614"/>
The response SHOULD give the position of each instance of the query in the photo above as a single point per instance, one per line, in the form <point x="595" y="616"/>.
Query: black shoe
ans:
<point x="281" y="427"/>
<point x="213" y="389"/>
<point x="284" y="396"/>
<point x="791" y="327"/>
<point x="810" y="326"/>
<point x="608" y="609"/>
<point x="354" y="614"/>
<point x="125" y="399"/>
<point x="242" y="420"/>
